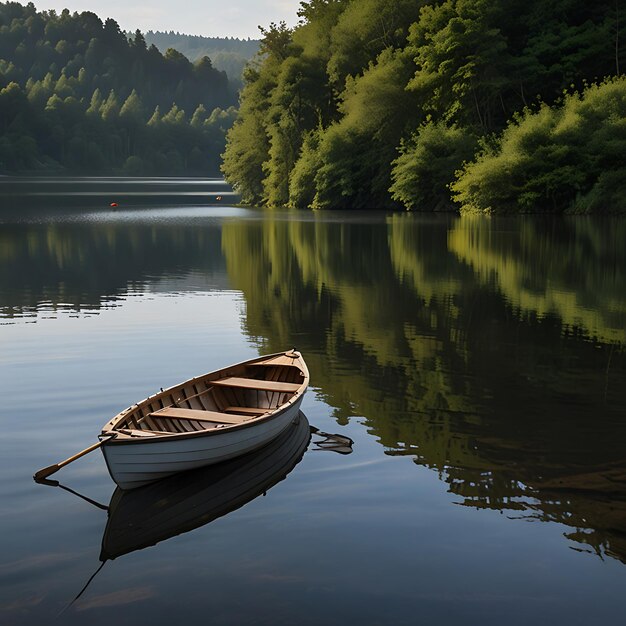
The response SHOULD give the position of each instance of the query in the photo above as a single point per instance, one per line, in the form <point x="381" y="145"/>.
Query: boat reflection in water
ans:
<point x="172" y="506"/>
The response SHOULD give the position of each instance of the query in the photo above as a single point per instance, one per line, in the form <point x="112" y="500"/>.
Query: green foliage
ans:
<point x="242" y="165"/>
<point x="327" y="106"/>
<point x="132" y="110"/>
<point x="461" y="55"/>
<point x="302" y="179"/>
<point x="110" y="109"/>
<point x="248" y="142"/>
<point x="366" y="28"/>
<point x="425" y="168"/>
<point x="80" y="95"/>
<point x="376" y="110"/>
<point x="199" y="116"/>
<point x="566" y="158"/>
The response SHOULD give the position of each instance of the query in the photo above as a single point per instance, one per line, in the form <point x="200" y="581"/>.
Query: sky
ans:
<point x="211" y="18"/>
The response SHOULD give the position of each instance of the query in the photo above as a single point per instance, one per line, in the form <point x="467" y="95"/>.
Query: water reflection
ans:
<point x="574" y="269"/>
<point x="517" y="401"/>
<point x="492" y="351"/>
<point x="181" y="503"/>
<point x="84" y="266"/>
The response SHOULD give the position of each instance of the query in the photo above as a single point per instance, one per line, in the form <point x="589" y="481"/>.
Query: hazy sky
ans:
<point x="223" y="18"/>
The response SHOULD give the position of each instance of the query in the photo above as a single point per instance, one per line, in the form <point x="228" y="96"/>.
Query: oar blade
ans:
<point x="51" y="469"/>
<point x="42" y="474"/>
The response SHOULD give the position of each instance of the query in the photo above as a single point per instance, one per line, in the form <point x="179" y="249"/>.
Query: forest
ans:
<point x="487" y="106"/>
<point x="78" y="95"/>
<point x="227" y="54"/>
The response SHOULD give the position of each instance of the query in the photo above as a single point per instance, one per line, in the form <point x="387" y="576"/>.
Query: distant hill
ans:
<point x="226" y="53"/>
<point x="78" y="94"/>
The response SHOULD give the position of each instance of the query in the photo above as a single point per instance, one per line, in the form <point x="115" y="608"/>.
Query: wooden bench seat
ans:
<point x="246" y="410"/>
<point x="253" y="383"/>
<point x="200" y="416"/>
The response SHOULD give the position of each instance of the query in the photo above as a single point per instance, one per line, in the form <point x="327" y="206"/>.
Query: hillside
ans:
<point x="380" y="103"/>
<point x="227" y="54"/>
<point x="77" y="94"/>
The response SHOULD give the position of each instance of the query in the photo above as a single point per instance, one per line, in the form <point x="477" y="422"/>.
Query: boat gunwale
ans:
<point x="267" y="417"/>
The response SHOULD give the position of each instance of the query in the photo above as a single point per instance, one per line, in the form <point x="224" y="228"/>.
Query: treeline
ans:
<point x="228" y="54"/>
<point x="78" y="94"/>
<point x="488" y="105"/>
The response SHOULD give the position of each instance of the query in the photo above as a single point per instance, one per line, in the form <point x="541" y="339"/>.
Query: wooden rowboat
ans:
<point x="205" y="420"/>
<point x="178" y="504"/>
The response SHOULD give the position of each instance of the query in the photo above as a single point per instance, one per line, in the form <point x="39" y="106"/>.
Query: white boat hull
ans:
<point x="133" y="464"/>
<point x="180" y="503"/>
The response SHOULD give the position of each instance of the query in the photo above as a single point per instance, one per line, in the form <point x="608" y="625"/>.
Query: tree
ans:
<point x="566" y="158"/>
<point x="77" y="58"/>
<point x="174" y="116"/>
<point x="132" y="111"/>
<point x="423" y="172"/>
<point x="155" y="118"/>
<point x="110" y="109"/>
<point x="199" y="116"/>
<point x="95" y="104"/>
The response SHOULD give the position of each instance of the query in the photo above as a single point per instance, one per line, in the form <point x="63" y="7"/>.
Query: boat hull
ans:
<point x="136" y="463"/>
<point x="144" y="517"/>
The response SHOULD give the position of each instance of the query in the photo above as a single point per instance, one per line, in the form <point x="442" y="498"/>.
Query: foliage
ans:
<point x="375" y="102"/>
<point x="78" y="94"/>
<point x="566" y="158"/>
<point x="425" y="168"/>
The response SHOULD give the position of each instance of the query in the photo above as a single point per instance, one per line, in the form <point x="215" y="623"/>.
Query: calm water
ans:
<point x="478" y="365"/>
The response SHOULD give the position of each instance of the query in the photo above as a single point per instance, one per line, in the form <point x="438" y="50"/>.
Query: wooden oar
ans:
<point x="47" y="471"/>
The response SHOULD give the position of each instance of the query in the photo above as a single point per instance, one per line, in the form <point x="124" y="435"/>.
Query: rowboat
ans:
<point x="205" y="420"/>
<point x="178" y="504"/>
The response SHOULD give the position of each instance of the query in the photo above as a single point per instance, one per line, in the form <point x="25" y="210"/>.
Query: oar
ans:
<point x="47" y="471"/>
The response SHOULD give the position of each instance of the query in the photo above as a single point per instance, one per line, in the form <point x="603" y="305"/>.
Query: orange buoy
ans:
<point x="114" y="204"/>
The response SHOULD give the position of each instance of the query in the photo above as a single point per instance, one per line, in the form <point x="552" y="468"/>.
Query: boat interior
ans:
<point x="217" y="401"/>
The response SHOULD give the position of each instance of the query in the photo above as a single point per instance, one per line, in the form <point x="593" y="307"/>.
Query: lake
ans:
<point x="478" y="365"/>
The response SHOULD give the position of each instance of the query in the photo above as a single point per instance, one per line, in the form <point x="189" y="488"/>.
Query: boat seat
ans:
<point x="253" y="383"/>
<point x="200" y="415"/>
<point x="246" y="410"/>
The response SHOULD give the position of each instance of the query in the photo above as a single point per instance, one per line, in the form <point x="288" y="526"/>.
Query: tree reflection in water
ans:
<point x="491" y="351"/>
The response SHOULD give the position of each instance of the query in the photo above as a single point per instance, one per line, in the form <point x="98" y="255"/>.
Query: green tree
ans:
<point x="199" y="116"/>
<point x="77" y="58"/>
<point x="155" y="118"/>
<point x="110" y="109"/>
<point x="95" y="104"/>
<point x="132" y="111"/>
<point x="423" y="172"/>
<point x="566" y="158"/>
<point x="356" y="152"/>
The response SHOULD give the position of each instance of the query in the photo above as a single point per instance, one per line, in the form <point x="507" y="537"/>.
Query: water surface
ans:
<point x="478" y="365"/>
